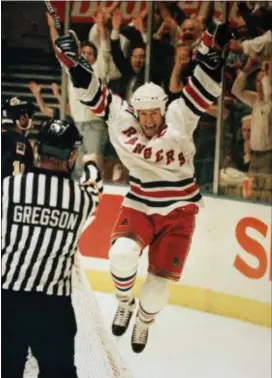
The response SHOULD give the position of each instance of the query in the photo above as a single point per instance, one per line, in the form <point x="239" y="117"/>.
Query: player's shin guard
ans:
<point x="124" y="255"/>
<point x="153" y="298"/>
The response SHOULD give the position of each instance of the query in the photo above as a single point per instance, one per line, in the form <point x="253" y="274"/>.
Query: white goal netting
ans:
<point x="97" y="355"/>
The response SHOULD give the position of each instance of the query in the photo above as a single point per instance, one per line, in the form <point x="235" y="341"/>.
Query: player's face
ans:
<point x="151" y="121"/>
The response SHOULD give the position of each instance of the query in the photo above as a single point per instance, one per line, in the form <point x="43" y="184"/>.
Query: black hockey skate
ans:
<point x="122" y="317"/>
<point x="140" y="335"/>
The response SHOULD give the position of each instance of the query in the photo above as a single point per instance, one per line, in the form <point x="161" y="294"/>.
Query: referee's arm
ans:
<point x="91" y="178"/>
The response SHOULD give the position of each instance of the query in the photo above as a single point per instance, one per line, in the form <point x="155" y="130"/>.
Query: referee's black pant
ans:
<point x="47" y="325"/>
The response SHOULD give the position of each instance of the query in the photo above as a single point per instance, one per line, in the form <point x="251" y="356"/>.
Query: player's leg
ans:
<point x="14" y="327"/>
<point x="167" y="256"/>
<point x="132" y="233"/>
<point x="53" y="338"/>
<point x="152" y="299"/>
<point x="124" y="255"/>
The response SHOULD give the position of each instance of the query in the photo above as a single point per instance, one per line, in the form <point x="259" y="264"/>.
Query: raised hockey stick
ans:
<point x="53" y="14"/>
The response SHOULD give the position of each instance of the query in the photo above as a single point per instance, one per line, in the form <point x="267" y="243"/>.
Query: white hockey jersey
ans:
<point x="161" y="169"/>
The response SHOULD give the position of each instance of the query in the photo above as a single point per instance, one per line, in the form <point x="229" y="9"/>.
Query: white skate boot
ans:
<point x="140" y="335"/>
<point x="122" y="317"/>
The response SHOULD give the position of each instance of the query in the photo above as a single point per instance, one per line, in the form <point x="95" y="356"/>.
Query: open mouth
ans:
<point x="188" y="37"/>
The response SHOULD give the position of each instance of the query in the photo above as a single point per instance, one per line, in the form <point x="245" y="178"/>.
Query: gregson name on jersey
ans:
<point x="45" y="217"/>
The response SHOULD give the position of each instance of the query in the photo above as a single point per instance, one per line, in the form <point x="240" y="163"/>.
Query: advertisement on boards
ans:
<point x="231" y="250"/>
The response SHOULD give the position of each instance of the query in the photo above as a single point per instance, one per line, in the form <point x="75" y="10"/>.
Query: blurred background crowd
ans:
<point x="114" y="39"/>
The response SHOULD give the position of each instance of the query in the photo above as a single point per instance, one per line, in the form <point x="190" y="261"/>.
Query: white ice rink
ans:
<point x="189" y="344"/>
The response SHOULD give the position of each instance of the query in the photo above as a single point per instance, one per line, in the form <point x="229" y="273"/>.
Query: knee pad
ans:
<point x="154" y="293"/>
<point x="124" y="255"/>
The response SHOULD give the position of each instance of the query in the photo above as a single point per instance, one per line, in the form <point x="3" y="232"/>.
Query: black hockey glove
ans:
<point x="222" y="35"/>
<point x="67" y="48"/>
<point x="215" y="39"/>
<point x="217" y="35"/>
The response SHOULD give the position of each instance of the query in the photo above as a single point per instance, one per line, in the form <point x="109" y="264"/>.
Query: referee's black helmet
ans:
<point x="58" y="139"/>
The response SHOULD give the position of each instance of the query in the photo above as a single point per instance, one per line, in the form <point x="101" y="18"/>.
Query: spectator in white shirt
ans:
<point x="99" y="32"/>
<point x="261" y="121"/>
<point x="261" y="45"/>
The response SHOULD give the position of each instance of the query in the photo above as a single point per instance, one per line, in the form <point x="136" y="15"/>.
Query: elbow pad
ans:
<point x="81" y="74"/>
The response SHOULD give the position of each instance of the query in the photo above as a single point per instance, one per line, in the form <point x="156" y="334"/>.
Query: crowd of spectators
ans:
<point x="117" y="53"/>
<point x="247" y="165"/>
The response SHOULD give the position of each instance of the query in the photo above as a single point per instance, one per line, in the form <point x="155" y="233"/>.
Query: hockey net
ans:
<point x="96" y="351"/>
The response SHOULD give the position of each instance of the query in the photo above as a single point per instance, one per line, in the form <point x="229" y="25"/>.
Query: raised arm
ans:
<point x="103" y="63"/>
<point x="135" y="31"/>
<point x="204" y="86"/>
<point x="267" y="80"/>
<point x="117" y="54"/>
<point x="181" y="62"/>
<point x="57" y="93"/>
<point x="88" y="87"/>
<point x="238" y="88"/>
<point x="36" y="91"/>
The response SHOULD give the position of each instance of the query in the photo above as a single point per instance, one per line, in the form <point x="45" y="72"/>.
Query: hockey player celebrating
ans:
<point x="156" y="145"/>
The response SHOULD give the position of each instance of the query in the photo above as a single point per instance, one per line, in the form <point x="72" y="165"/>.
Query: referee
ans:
<point x="43" y="213"/>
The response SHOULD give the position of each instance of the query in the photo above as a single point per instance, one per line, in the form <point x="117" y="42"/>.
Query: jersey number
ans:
<point x="18" y="167"/>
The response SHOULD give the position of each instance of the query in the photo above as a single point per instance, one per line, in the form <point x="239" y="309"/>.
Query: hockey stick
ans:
<point x="53" y="14"/>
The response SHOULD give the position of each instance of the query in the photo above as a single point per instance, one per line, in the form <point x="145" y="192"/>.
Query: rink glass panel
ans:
<point x="22" y="44"/>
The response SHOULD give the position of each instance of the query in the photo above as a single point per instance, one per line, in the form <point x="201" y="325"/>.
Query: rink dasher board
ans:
<point x="228" y="270"/>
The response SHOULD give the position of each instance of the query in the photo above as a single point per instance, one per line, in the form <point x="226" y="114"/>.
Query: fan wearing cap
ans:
<point x="17" y="153"/>
<point x="155" y="143"/>
<point x="19" y="113"/>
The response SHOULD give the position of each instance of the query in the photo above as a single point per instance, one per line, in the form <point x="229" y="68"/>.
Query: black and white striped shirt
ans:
<point x="42" y="217"/>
